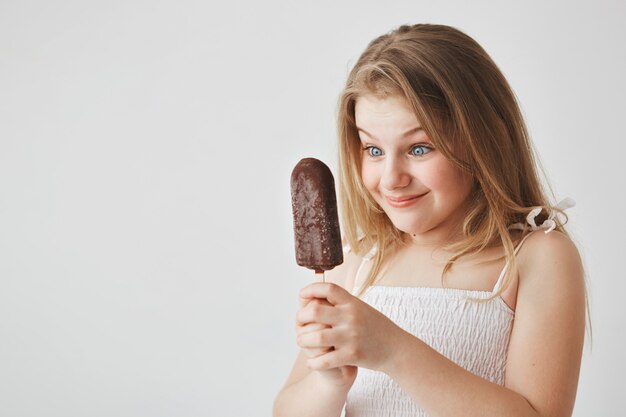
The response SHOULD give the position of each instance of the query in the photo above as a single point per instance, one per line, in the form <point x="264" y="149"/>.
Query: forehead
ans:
<point x="384" y="117"/>
<point x="383" y="112"/>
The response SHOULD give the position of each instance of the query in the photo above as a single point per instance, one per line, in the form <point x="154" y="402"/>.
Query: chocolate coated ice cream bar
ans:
<point x="315" y="218"/>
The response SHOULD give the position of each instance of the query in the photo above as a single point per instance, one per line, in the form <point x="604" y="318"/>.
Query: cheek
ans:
<point x="444" y="176"/>
<point x="369" y="176"/>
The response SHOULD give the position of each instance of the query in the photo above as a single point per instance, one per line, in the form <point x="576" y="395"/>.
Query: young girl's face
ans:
<point x="420" y="190"/>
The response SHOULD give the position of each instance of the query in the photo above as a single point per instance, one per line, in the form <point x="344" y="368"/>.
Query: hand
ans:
<point x="343" y="376"/>
<point x="361" y="335"/>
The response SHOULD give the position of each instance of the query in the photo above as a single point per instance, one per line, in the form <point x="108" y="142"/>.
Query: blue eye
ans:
<point x="420" y="150"/>
<point x="374" y="151"/>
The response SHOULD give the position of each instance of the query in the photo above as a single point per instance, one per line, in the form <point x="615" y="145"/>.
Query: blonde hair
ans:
<point x="470" y="113"/>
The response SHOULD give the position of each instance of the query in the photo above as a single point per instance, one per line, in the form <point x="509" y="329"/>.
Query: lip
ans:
<point x="404" y="201"/>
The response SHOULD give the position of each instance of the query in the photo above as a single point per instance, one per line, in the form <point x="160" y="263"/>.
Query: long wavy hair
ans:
<point x="470" y="113"/>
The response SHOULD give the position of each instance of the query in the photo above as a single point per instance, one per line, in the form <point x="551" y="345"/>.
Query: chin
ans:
<point x="407" y="227"/>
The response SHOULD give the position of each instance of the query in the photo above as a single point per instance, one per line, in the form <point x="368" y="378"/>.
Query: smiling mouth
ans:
<point x="402" y="202"/>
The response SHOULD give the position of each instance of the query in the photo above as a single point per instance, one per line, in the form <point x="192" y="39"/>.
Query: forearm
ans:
<point x="445" y="389"/>
<point x="310" y="397"/>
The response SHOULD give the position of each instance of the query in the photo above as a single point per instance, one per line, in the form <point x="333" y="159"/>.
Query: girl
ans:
<point x="461" y="293"/>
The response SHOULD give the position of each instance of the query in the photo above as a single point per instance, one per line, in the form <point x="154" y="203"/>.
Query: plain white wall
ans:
<point x="146" y="249"/>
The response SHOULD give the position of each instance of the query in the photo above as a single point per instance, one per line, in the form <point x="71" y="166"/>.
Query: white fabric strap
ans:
<point x="367" y="258"/>
<point x="506" y="265"/>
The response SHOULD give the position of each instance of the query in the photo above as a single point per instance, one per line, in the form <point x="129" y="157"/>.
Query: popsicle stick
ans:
<point x="320" y="274"/>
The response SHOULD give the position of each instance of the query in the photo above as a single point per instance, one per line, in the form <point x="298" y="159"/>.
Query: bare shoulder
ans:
<point x="344" y="274"/>
<point x="550" y="255"/>
<point x="551" y="279"/>
<point x="545" y="348"/>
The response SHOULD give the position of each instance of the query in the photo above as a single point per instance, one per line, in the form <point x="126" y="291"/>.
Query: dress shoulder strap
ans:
<point x="506" y="266"/>
<point x="548" y="225"/>
<point x="367" y="258"/>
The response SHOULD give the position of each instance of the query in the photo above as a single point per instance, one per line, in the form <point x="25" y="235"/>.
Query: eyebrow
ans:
<point x="404" y="135"/>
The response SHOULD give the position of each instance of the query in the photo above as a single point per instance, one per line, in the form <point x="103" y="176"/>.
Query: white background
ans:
<point x="146" y="249"/>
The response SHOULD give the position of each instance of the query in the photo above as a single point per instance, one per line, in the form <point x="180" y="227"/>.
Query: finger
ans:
<point x="306" y="301"/>
<point x="331" y="292"/>
<point x="322" y="338"/>
<point x="332" y="359"/>
<point x="310" y="327"/>
<point x="316" y="313"/>
<point x="315" y="352"/>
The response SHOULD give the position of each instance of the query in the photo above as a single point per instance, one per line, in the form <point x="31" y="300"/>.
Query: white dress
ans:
<point x="473" y="335"/>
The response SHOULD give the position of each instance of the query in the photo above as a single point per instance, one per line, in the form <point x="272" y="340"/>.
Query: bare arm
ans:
<point x="544" y="354"/>
<point x="311" y="396"/>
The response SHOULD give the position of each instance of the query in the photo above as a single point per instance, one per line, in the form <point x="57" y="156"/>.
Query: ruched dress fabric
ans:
<point x="473" y="335"/>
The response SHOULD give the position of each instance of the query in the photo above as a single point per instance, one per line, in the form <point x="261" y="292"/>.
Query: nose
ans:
<point x="395" y="175"/>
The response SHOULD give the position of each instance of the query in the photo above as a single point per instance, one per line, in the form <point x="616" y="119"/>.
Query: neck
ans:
<point x="444" y="234"/>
